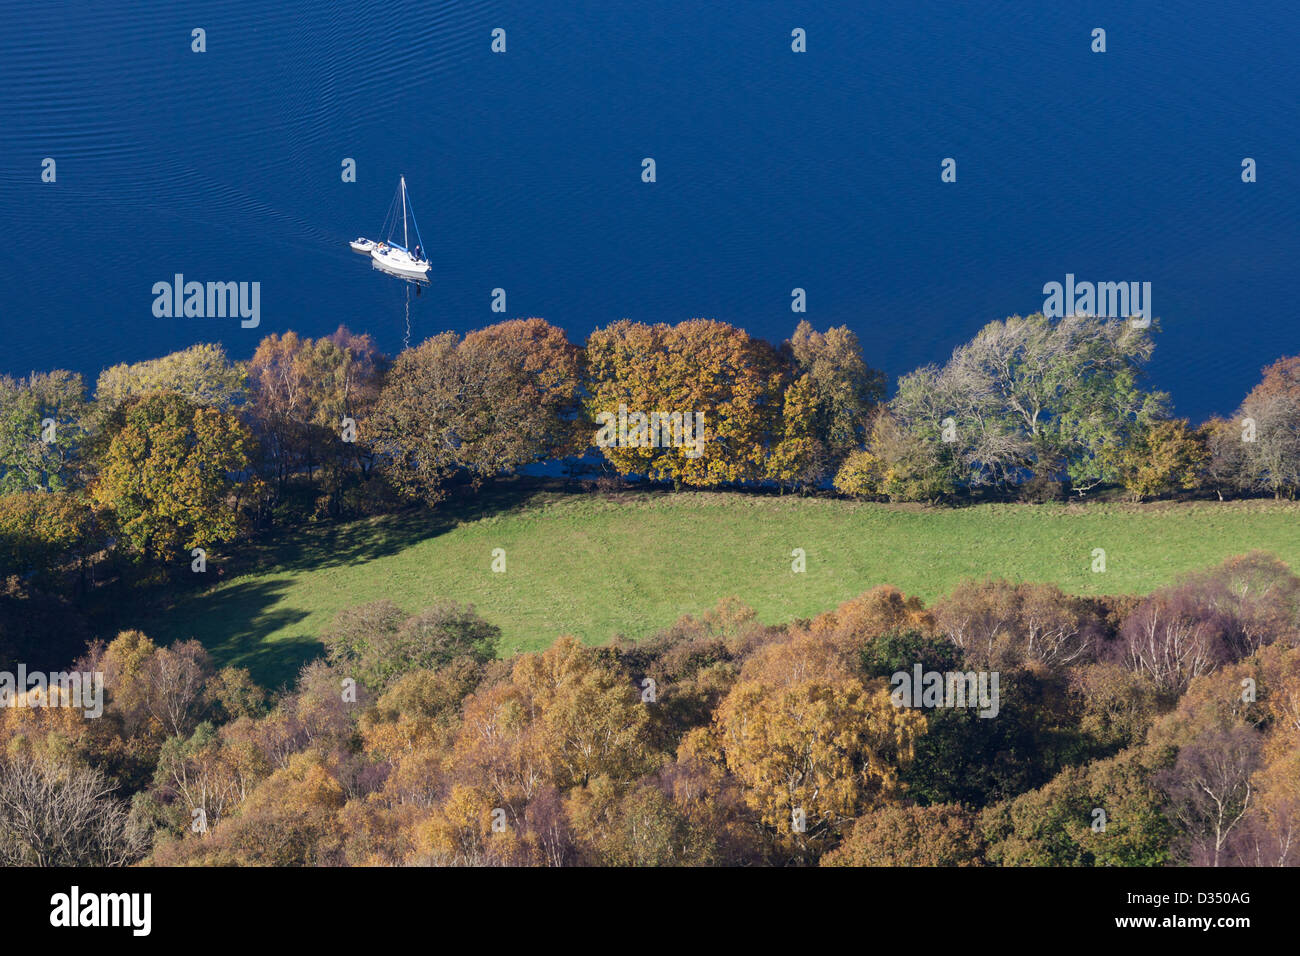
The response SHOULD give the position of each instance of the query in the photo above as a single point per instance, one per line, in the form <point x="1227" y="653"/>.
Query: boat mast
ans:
<point x="405" y="242"/>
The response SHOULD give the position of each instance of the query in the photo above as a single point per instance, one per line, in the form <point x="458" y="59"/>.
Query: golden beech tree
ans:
<point x="564" y="717"/>
<point x="811" y="742"/>
<point x="527" y="372"/>
<point x="800" y="458"/>
<point x="696" y="367"/>
<point x="815" y="751"/>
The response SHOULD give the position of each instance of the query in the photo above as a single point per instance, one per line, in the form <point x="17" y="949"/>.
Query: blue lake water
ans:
<point x="775" y="170"/>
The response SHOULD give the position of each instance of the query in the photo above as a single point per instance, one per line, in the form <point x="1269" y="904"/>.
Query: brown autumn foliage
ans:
<point x="700" y="366"/>
<point x="753" y="744"/>
<point x="500" y="398"/>
<point x="1000" y="624"/>
<point x="941" y="835"/>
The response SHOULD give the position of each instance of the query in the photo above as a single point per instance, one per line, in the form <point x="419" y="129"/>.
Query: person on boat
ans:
<point x="417" y="252"/>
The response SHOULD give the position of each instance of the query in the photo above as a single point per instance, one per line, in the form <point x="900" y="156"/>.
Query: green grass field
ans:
<point x="596" y="566"/>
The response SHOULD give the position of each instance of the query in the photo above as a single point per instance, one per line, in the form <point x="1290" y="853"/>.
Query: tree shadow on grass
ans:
<point x="232" y="623"/>
<point x="333" y="545"/>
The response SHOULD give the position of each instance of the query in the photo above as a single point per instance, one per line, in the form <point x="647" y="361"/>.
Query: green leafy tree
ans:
<point x="376" y="643"/>
<point x="918" y="465"/>
<point x="1108" y="813"/>
<point x="43" y="426"/>
<point x="1032" y="397"/>
<point x="170" y="474"/>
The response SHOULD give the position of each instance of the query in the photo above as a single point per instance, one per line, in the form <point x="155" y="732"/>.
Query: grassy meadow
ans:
<point x="631" y="563"/>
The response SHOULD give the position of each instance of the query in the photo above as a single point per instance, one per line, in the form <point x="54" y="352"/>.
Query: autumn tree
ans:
<point x="171" y="474"/>
<point x="156" y="692"/>
<point x="502" y="398"/>
<point x="1270" y="834"/>
<point x="207" y="776"/>
<point x="1210" y="789"/>
<point x="800" y="457"/>
<point x="1000" y="623"/>
<point x="827" y="407"/>
<point x="862" y="474"/>
<point x="563" y="718"/>
<point x="882" y="610"/>
<point x="813" y="743"/>
<point x="1225" y="466"/>
<point x="1174" y="637"/>
<point x="1216" y="737"/>
<point x="1210" y="618"/>
<point x="460" y="832"/>
<point x="699" y="367"/>
<point x="940" y="835"/>
<point x="526" y="373"/>
<point x="1115" y="706"/>
<point x="300" y="393"/>
<point x="845" y="389"/>
<point x="201" y="373"/>
<point x="286" y="820"/>
<point x="637" y="826"/>
<point x="1270" y="416"/>
<point x="279" y="402"/>
<point x="1161" y="457"/>
<point x="1259" y="593"/>
<point x="814" y="754"/>
<point x="42" y="532"/>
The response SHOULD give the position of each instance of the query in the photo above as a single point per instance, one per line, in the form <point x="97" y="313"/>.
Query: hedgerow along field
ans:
<point x="631" y="563"/>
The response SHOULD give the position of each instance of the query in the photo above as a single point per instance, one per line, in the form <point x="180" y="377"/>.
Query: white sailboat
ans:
<point x="400" y="259"/>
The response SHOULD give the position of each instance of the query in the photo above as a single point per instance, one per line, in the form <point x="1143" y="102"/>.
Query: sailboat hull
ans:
<point x="399" y="262"/>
